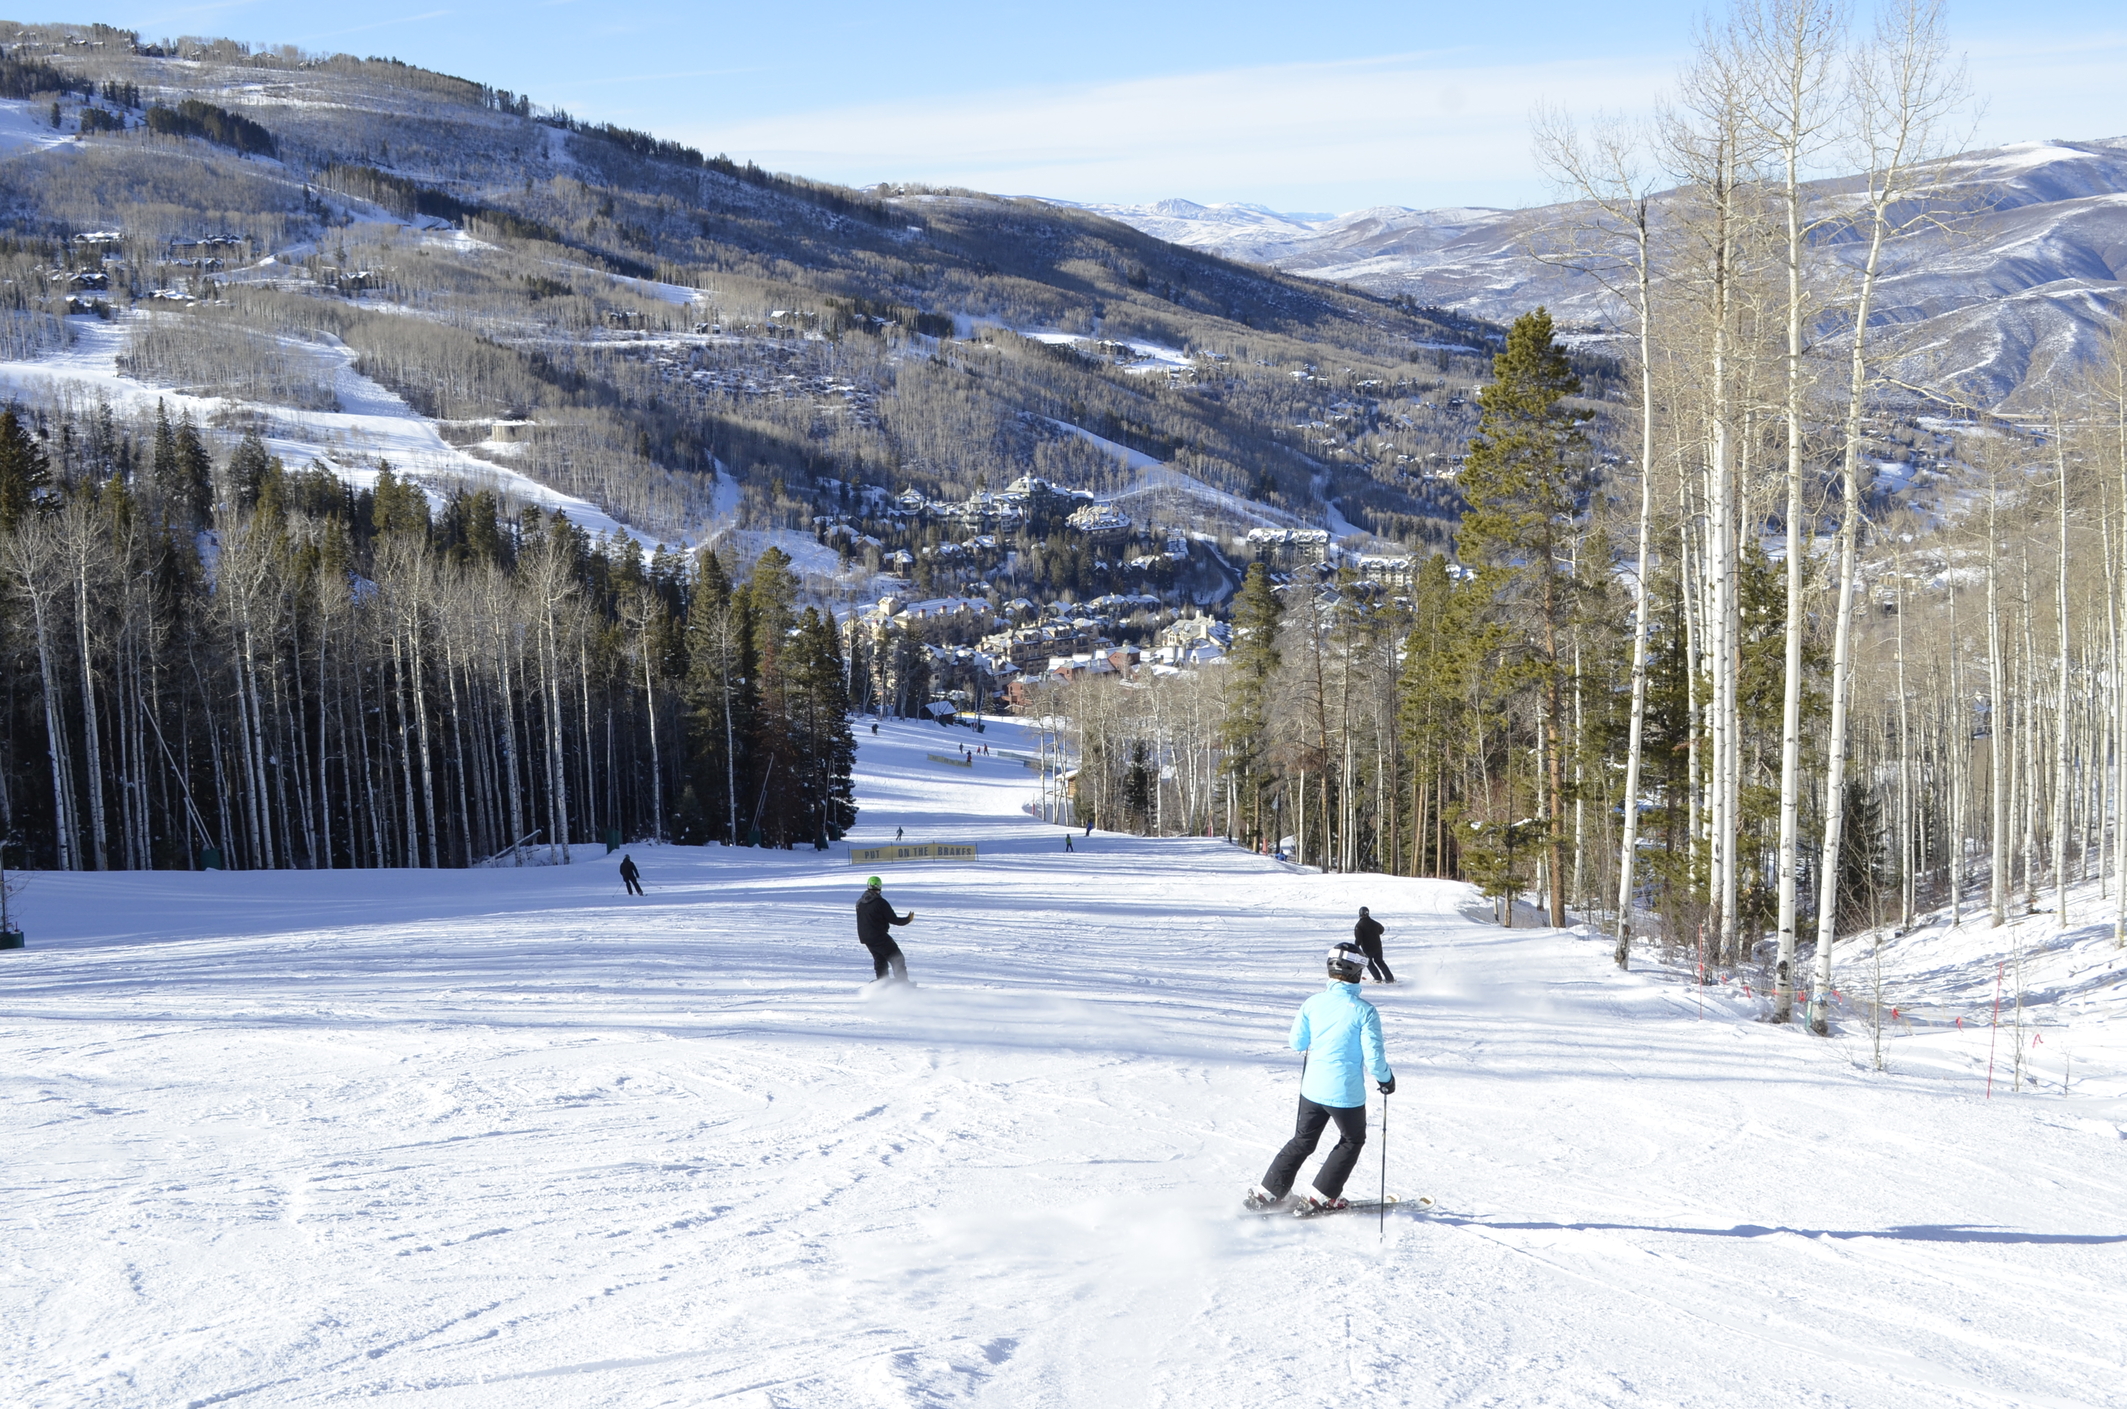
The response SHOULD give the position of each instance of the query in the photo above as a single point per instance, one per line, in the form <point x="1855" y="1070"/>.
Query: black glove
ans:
<point x="1386" y="1088"/>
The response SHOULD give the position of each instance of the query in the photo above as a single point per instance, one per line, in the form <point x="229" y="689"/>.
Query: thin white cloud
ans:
<point x="1415" y="125"/>
<point x="1420" y="129"/>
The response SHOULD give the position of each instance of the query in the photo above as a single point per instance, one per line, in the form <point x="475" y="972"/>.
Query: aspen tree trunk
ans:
<point x="2119" y="666"/>
<point x="2063" y="702"/>
<point x="1910" y="856"/>
<point x="324" y="793"/>
<point x="428" y="752"/>
<point x="2027" y="752"/>
<point x="400" y="689"/>
<point x="80" y="540"/>
<point x="27" y="560"/>
<point x="589" y="754"/>
<point x="1960" y="739"/>
<point x="506" y="704"/>
<point x="657" y="776"/>
<point x="557" y="769"/>
<point x="465" y="801"/>
<point x="1997" y="734"/>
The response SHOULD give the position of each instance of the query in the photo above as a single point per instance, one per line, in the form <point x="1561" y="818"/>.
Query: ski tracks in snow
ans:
<point x="501" y="1138"/>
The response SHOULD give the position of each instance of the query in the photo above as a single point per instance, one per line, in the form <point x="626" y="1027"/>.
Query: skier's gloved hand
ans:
<point x="1388" y="1087"/>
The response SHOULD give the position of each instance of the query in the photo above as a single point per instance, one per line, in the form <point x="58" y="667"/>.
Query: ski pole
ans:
<point x="1381" y="1222"/>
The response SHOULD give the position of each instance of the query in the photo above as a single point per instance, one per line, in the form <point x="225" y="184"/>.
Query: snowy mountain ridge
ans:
<point x="2022" y="290"/>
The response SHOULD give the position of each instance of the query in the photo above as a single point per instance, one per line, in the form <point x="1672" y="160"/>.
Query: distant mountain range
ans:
<point x="2026" y="287"/>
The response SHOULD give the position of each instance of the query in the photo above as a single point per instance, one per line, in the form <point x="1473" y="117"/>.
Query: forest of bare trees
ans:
<point x="227" y="662"/>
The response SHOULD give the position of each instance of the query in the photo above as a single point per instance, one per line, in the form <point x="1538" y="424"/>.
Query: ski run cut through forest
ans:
<point x="515" y="1138"/>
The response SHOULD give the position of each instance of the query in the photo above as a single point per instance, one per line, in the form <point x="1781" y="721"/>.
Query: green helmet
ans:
<point x="874" y="883"/>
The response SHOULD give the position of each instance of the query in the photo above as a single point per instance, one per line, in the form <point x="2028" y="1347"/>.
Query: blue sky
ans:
<point x="1299" y="108"/>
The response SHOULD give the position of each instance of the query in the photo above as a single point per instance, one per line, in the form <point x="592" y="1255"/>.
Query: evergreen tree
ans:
<point x="1441" y="658"/>
<point x="1525" y="480"/>
<point x="189" y="486"/>
<point x="720" y="694"/>
<point x="249" y="466"/>
<point x="1252" y="664"/>
<point x="822" y="736"/>
<point x="400" y="506"/>
<point x="23" y="470"/>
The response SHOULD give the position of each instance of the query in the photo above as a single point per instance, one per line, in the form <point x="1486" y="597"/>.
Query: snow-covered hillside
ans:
<point x="513" y="1138"/>
<point x="1998" y="304"/>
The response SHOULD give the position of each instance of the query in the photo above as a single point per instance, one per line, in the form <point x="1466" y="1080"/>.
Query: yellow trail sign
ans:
<point x="912" y="851"/>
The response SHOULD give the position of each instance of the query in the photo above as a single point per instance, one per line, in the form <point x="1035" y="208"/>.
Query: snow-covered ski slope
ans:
<point x="511" y="1138"/>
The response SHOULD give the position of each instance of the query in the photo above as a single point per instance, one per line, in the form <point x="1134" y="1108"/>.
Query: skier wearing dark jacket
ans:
<point x="1368" y="933"/>
<point x="874" y="916"/>
<point x="1341" y="1034"/>
<point x="631" y="876"/>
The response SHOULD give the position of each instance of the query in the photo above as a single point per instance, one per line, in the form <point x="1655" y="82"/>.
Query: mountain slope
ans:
<point x="2018" y="291"/>
<point x="510" y="1138"/>
<point x="636" y="313"/>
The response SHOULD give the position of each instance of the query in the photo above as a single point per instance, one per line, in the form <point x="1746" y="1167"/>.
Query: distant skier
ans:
<point x="1089" y="826"/>
<point x="1341" y="1034"/>
<point x="875" y="726"/>
<point x="874" y="915"/>
<point x="1067" y="842"/>
<point x="1368" y="933"/>
<point x="630" y="875"/>
<point x="897" y="834"/>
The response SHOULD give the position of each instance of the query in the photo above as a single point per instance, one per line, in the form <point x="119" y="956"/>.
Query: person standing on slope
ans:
<point x="1368" y="933"/>
<point x="874" y="916"/>
<point x="1341" y="1034"/>
<point x="629" y="875"/>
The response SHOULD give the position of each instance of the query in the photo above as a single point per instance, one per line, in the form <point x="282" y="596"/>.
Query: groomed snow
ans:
<point x="27" y="127"/>
<point x="372" y="422"/>
<point x="510" y="1138"/>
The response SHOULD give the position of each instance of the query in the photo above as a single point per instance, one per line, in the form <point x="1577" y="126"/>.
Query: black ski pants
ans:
<point x="883" y="953"/>
<point x="635" y="887"/>
<point x="1375" y="964"/>
<point x="1306" y="1134"/>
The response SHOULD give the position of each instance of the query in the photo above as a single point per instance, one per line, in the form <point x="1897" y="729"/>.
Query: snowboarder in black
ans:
<point x="1368" y="933"/>
<point x="873" y="917"/>
<point x="629" y="874"/>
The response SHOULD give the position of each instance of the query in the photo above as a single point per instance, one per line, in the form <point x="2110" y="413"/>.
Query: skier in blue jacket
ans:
<point x="1341" y="1034"/>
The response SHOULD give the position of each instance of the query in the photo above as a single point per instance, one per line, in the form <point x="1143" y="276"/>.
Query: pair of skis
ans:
<point x="1421" y="1204"/>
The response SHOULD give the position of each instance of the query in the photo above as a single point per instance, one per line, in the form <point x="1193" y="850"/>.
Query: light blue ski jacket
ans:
<point x="1341" y="1034"/>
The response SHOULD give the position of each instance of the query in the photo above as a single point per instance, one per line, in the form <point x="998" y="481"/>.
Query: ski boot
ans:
<point x="1309" y="1202"/>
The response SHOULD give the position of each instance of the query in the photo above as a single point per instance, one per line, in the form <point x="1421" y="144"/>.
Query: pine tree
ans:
<point x="720" y="694"/>
<point x="187" y="477"/>
<point x="822" y="735"/>
<point x="1252" y="663"/>
<point x="23" y="471"/>
<point x="249" y="465"/>
<point x="1525" y="479"/>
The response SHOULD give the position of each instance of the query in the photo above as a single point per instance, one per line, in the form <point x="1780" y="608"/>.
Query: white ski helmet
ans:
<point x="1347" y="961"/>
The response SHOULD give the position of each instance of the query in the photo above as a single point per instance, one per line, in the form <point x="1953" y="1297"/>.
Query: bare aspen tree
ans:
<point x="1790" y="48"/>
<point x="1900" y="87"/>
<point x="1612" y="175"/>
<point x="1707" y="143"/>
<point x="2062" y="743"/>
